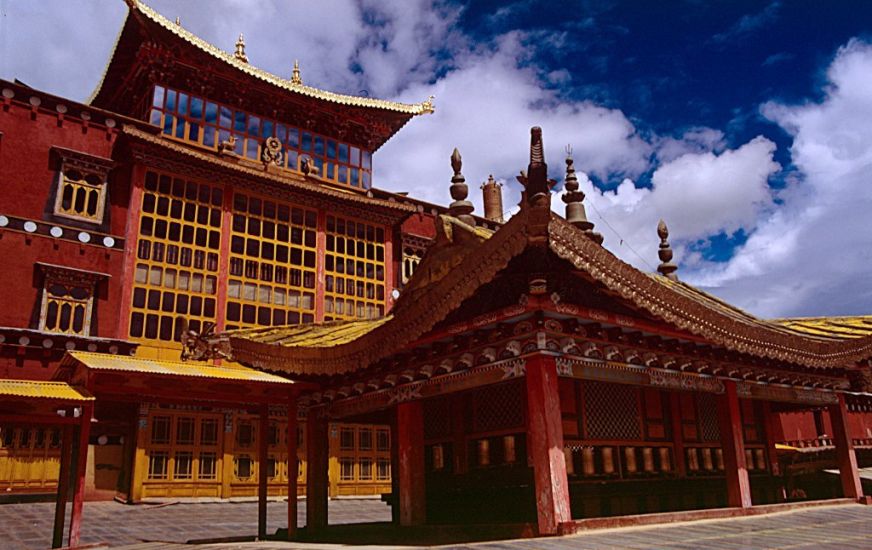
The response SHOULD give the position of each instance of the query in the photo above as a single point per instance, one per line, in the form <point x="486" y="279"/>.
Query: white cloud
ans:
<point x="813" y="255"/>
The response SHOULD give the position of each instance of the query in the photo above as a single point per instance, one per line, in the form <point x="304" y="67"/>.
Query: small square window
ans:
<point x="81" y="185"/>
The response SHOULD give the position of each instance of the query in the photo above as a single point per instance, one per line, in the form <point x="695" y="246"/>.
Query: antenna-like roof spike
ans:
<point x="573" y="197"/>
<point x="666" y="267"/>
<point x="460" y="208"/>
<point x="240" y="49"/>
<point x="295" y="76"/>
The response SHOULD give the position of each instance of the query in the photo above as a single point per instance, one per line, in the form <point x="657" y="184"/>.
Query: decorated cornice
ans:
<point x="307" y="190"/>
<point x="700" y="315"/>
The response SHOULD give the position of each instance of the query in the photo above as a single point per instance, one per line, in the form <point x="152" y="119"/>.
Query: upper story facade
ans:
<point x="192" y="192"/>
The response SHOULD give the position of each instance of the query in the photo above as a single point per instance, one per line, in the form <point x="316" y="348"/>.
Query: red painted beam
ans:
<point x="733" y="445"/>
<point x="80" y="470"/>
<point x="410" y="466"/>
<point x="262" y="459"/>
<point x="545" y="443"/>
<point x="66" y="463"/>
<point x="293" y="472"/>
<point x="845" y="455"/>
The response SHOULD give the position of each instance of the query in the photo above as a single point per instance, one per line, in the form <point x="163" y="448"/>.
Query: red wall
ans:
<point x="28" y="182"/>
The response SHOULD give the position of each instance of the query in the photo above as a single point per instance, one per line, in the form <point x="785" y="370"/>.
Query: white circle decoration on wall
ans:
<point x="30" y="227"/>
<point x="84" y="237"/>
<point x="108" y="242"/>
<point x="4" y="221"/>
<point x="56" y="232"/>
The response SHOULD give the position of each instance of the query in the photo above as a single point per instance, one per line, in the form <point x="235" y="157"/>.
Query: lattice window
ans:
<point x="437" y="418"/>
<point x="272" y="265"/>
<point x="354" y="268"/>
<point x="82" y="182"/>
<point x="413" y="252"/>
<point x="611" y="410"/>
<point x="177" y="257"/>
<point x="182" y="446"/>
<point x="67" y="299"/>
<point x="707" y="412"/>
<point x="197" y="120"/>
<point x="498" y="407"/>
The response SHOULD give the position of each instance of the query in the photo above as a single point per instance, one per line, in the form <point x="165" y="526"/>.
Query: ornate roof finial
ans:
<point x="178" y="21"/>
<point x="666" y="267"/>
<point x="536" y="182"/>
<point x="240" y="49"/>
<point x="428" y="106"/>
<point x="460" y="208"/>
<point x="295" y="76"/>
<point x="573" y="198"/>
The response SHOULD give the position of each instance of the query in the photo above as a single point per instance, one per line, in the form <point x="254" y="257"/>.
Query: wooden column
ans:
<point x="773" y="435"/>
<point x="733" y="445"/>
<point x="63" y="485"/>
<point x="845" y="455"/>
<point x="317" y="454"/>
<point x="545" y="444"/>
<point x="395" y="469"/>
<point x="79" y="473"/>
<point x="677" y="434"/>
<point x="410" y="463"/>
<point x="293" y="472"/>
<point x="262" y="460"/>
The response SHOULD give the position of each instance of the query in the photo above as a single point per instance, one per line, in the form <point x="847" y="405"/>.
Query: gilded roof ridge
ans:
<point x="291" y="85"/>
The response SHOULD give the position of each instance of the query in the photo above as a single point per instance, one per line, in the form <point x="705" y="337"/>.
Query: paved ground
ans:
<point x="28" y="527"/>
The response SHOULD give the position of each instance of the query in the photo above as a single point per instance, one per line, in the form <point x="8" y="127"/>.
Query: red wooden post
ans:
<point x="845" y="455"/>
<point x="262" y="460"/>
<point x="545" y="442"/>
<point x="63" y="485"/>
<point x="733" y="445"/>
<point x="410" y="451"/>
<point x="774" y="434"/>
<point x="293" y="472"/>
<point x="317" y="453"/>
<point x="80" y="470"/>
<point x="677" y="433"/>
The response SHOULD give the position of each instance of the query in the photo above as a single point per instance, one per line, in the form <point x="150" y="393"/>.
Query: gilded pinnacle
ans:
<point x="295" y="76"/>
<point x="460" y="208"/>
<point x="573" y="197"/>
<point x="240" y="49"/>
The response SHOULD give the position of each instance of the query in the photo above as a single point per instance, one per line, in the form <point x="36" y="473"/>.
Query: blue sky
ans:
<point x="747" y="126"/>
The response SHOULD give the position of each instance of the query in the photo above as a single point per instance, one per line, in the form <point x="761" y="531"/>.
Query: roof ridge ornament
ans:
<point x="535" y="180"/>
<point x="666" y="267"/>
<point x="295" y="76"/>
<point x="460" y="208"/>
<point x="573" y="197"/>
<point x="429" y="106"/>
<point x="240" y="49"/>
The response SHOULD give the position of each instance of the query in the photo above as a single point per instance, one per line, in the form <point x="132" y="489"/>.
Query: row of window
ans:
<point x="362" y="469"/>
<point x="364" y="439"/>
<point x="200" y="121"/>
<point x="12" y="438"/>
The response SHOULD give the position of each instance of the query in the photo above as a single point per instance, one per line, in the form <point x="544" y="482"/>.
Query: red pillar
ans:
<point x="63" y="485"/>
<point x="317" y="454"/>
<point x="410" y="451"/>
<point x="677" y="434"/>
<point x="845" y="455"/>
<point x="79" y="470"/>
<point x="293" y="472"/>
<point x="545" y="444"/>
<point x="262" y="460"/>
<point x="733" y="445"/>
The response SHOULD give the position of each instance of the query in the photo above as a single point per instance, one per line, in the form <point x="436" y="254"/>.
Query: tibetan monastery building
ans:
<point x="206" y="294"/>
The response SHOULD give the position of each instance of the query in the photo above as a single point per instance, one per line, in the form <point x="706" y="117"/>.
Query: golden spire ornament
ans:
<point x="240" y="49"/>
<point x="295" y="76"/>
<point x="666" y="267"/>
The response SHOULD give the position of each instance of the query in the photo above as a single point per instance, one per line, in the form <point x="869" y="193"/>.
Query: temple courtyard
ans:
<point x="226" y="525"/>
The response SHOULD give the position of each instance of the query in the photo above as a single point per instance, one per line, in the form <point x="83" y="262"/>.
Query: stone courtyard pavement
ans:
<point x="28" y="527"/>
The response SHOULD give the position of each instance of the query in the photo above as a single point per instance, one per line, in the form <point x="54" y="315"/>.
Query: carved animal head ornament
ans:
<point x="271" y="152"/>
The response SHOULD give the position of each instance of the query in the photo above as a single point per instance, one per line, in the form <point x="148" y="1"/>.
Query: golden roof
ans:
<point x="108" y="362"/>
<point x="294" y="85"/>
<point x="322" y="335"/>
<point x="830" y="327"/>
<point x="33" y="389"/>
